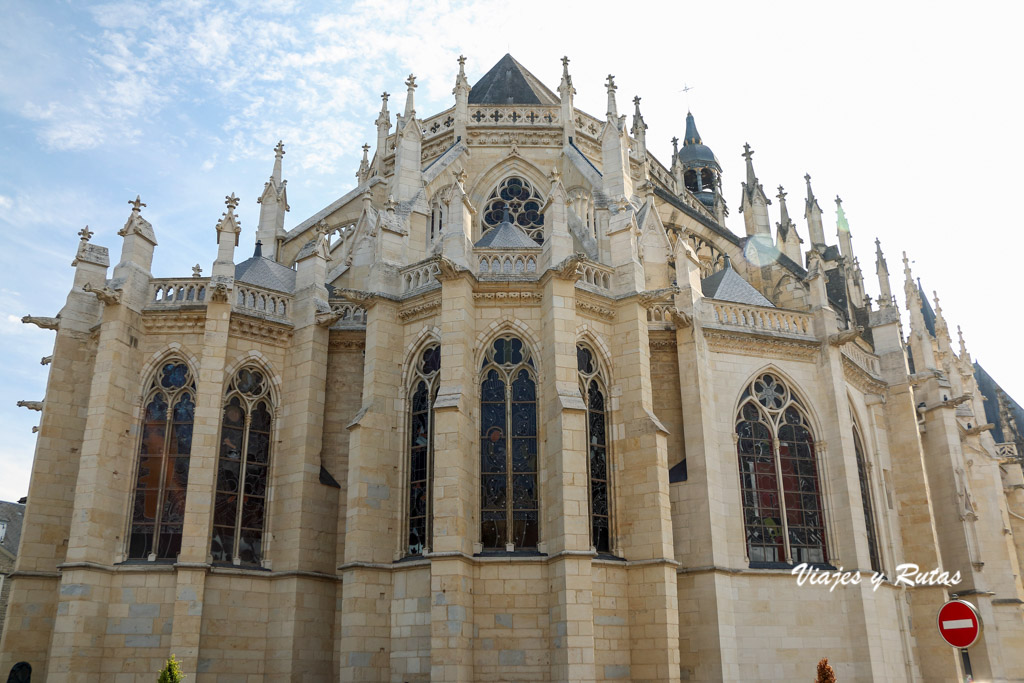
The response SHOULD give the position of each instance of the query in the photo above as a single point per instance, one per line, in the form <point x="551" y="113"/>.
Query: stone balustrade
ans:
<point x="1006" y="450"/>
<point x="504" y="263"/>
<point x="517" y="117"/>
<point x="178" y="291"/>
<point x="597" y="275"/>
<point x="866" y="361"/>
<point x="762" y="319"/>
<point x="262" y="302"/>
<point x="419" y="275"/>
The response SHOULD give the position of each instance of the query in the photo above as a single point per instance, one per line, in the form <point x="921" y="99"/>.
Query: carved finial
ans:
<point x="197" y="270"/>
<point x="384" y="97"/>
<point x="85" y="233"/>
<point x="410" y="82"/>
<point x="807" y="179"/>
<point x="747" y="152"/>
<point x="461" y="176"/>
<point x="782" y="194"/>
<point x="610" y="83"/>
<point x="366" y="151"/>
<point x="279" y="149"/>
<point x="231" y="201"/>
<point x="565" y="64"/>
<point x="636" y="103"/>
<point x="390" y="205"/>
<point x="322" y="228"/>
<point x="675" y="146"/>
<point x="462" y="64"/>
<point x="839" y="202"/>
<point x="136" y="204"/>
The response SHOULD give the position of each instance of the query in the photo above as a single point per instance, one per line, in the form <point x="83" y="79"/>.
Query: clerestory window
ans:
<point x="239" y="510"/>
<point x="592" y="389"/>
<point x="509" y="508"/>
<point x="426" y="378"/>
<point x="523" y="203"/>
<point x="782" y="507"/>
<point x="161" y="480"/>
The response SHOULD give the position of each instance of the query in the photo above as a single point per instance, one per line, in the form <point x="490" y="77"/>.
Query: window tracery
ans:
<point x="782" y="507"/>
<point x="524" y="207"/>
<point x="866" y="500"/>
<point x="509" y="508"/>
<point x="592" y="389"/>
<point x="161" y="481"/>
<point x="421" y="448"/>
<point x="239" y="510"/>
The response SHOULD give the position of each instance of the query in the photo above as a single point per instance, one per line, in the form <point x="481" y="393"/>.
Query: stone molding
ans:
<point x="505" y="297"/>
<point x="761" y="347"/>
<point x="177" y="322"/>
<point x="258" y="330"/>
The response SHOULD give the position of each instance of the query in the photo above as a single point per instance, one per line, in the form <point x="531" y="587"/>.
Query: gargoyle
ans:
<point x="960" y="399"/>
<point x="46" y="360"/>
<point x="31" y="405"/>
<point x="354" y="295"/>
<point x="328" y="318"/>
<point x="653" y="296"/>
<point x="44" y="323"/>
<point x="219" y="292"/>
<point x="447" y="269"/>
<point x="979" y="429"/>
<point x="568" y="269"/>
<point x="841" y="338"/>
<point x="681" y="318"/>
<point x="108" y="296"/>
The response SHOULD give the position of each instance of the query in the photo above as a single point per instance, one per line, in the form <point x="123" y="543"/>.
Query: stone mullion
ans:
<point x="644" y="505"/>
<point x="565" y="497"/>
<point x="193" y="561"/>
<point x="374" y="495"/>
<point x="456" y="488"/>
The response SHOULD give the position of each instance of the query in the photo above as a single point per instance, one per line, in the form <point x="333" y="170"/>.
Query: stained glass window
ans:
<point x="782" y="510"/>
<point x="158" y="508"/>
<point x="509" y="507"/>
<point x="239" y="509"/>
<point x="523" y="204"/>
<point x="426" y="377"/>
<point x="591" y="387"/>
<point x="866" y="500"/>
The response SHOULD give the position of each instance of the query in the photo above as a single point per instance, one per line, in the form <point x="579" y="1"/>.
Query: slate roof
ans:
<point x="263" y="272"/>
<point x="727" y="285"/>
<point x="695" y="153"/>
<point x="926" y="310"/>
<point x="508" y="82"/>
<point x="14" y="515"/>
<point x="990" y="389"/>
<point x="506" y="236"/>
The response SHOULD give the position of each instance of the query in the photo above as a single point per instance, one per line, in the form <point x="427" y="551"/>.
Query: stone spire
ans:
<point x="843" y="231"/>
<point x="273" y="205"/>
<point x="565" y="95"/>
<point x="461" y="92"/>
<point x="920" y="339"/>
<point x="613" y="110"/>
<point x="882" y="269"/>
<point x="228" y="229"/>
<point x="410" y="99"/>
<point x="364" y="166"/>
<point x="787" y="239"/>
<point x="812" y="212"/>
<point x="639" y="129"/>
<point x="966" y="364"/>
<point x="754" y="203"/>
<point x="941" y="328"/>
<point x="383" y="128"/>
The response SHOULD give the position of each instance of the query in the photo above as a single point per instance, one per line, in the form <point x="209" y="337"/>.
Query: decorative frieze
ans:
<point x="260" y="330"/>
<point x="504" y="297"/>
<point x="763" y="347"/>
<point x="176" y="322"/>
<point x="419" y="310"/>
<point x="860" y="378"/>
<point x="346" y="340"/>
<point x="595" y="309"/>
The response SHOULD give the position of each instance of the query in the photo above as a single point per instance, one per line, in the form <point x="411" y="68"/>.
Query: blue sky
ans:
<point x="907" y="110"/>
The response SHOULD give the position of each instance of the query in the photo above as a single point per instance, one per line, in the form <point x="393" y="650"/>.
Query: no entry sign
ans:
<point x="959" y="623"/>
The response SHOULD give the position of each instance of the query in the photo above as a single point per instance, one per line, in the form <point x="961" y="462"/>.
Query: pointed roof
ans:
<point x="727" y="285"/>
<point x="508" y="82"/>
<point x="506" y="236"/>
<point x="263" y="272"/>
<point x="695" y="154"/>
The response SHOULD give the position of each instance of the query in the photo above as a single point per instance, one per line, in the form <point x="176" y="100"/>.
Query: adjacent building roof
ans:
<point x="12" y="514"/>
<point x="264" y="272"/>
<point x="727" y="285"/>
<point x="508" y="82"/>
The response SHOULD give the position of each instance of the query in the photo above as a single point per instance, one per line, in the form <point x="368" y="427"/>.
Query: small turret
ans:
<point x="613" y="109"/>
<point x="754" y="203"/>
<point x="699" y="166"/>
<point x="812" y="212"/>
<point x="273" y="205"/>
<point x="461" y="92"/>
<point x="228" y="229"/>
<point x="565" y="95"/>
<point x="383" y="128"/>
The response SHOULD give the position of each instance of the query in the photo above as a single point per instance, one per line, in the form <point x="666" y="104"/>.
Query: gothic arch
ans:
<point x="172" y="349"/>
<point x="486" y="183"/>
<point x="425" y="337"/>
<point x="258" y="359"/>
<point x="507" y="325"/>
<point x="586" y="335"/>
<point x="805" y="403"/>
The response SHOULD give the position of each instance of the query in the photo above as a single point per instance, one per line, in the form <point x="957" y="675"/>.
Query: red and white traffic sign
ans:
<point x="959" y="623"/>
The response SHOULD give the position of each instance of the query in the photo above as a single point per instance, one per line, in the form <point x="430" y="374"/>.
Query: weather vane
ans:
<point x="686" y="89"/>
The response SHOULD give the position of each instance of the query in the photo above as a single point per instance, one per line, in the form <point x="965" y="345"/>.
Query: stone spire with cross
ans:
<point x="363" y="174"/>
<point x="754" y="202"/>
<point x="410" y="99"/>
<point x="566" y="91"/>
<point x="273" y="206"/>
<point x="812" y="212"/>
<point x="787" y="239"/>
<point x="613" y="110"/>
<point x="461" y="92"/>
<point x="639" y="129"/>
<point x="882" y="270"/>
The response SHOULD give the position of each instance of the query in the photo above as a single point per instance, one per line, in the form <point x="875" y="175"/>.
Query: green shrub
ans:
<point x="171" y="673"/>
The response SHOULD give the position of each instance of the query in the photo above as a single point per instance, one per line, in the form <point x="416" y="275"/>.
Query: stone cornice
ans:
<point x="259" y="330"/>
<point x="746" y="344"/>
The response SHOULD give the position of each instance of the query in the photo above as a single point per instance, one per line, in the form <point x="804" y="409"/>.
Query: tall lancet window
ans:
<point x="523" y="204"/>
<point x="866" y="499"/>
<point x="782" y="510"/>
<point x="509" y="509"/>
<point x="158" y="510"/>
<point x="239" y="509"/>
<point x="427" y="375"/>
<point x="592" y="388"/>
